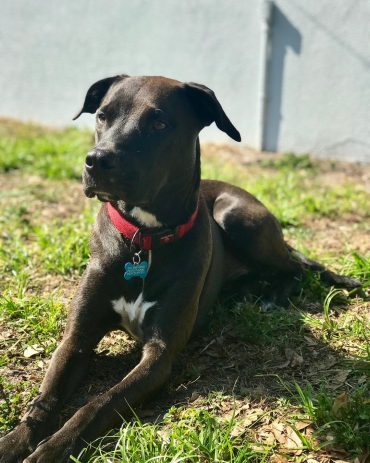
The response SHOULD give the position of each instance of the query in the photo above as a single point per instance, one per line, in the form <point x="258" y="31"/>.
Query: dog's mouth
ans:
<point x="103" y="196"/>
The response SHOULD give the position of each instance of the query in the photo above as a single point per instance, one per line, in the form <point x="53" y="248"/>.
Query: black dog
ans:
<point x="163" y="246"/>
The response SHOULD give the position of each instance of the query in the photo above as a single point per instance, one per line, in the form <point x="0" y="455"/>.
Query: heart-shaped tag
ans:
<point x="136" y="270"/>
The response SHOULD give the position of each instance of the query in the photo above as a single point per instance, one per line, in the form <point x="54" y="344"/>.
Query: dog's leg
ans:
<point x="67" y="367"/>
<point x="329" y="277"/>
<point x="165" y="333"/>
<point x="107" y="410"/>
<point x="255" y="237"/>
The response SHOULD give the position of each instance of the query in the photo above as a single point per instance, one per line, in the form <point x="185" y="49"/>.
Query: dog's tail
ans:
<point x="327" y="276"/>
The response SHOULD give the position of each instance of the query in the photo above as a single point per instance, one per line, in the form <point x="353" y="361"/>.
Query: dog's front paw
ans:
<point x="58" y="448"/>
<point x="16" y="445"/>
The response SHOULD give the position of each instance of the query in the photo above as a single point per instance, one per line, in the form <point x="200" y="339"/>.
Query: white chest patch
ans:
<point x="145" y="218"/>
<point x="132" y="313"/>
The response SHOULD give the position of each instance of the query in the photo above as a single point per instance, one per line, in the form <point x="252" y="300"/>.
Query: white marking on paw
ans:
<point x="132" y="313"/>
<point x="145" y="218"/>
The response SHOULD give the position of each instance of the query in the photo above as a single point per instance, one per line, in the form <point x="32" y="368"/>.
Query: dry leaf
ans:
<point x="278" y="430"/>
<point x="323" y="364"/>
<point x="339" y="378"/>
<point x="276" y="458"/>
<point x="292" y="442"/>
<point x="299" y="425"/>
<point x="340" y="402"/>
<point x="310" y="341"/>
<point x="194" y="396"/>
<point x="295" y="359"/>
<point x="32" y="351"/>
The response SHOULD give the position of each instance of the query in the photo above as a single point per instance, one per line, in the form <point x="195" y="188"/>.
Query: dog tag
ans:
<point x="133" y="270"/>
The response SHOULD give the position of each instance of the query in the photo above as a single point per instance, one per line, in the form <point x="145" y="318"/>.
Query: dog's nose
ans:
<point x="99" y="159"/>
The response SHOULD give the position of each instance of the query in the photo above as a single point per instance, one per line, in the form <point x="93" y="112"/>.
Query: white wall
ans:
<point x="318" y="84"/>
<point x="319" y="87"/>
<point x="54" y="50"/>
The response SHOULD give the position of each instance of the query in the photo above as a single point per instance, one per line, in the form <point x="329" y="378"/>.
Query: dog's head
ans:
<point x="146" y="133"/>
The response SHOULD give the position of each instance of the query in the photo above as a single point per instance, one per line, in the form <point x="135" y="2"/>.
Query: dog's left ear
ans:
<point x="96" y="93"/>
<point x="209" y="109"/>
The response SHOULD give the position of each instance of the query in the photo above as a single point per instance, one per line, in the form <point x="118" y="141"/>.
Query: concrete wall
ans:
<point x="319" y="80"/>
<point x="317" y="92"/>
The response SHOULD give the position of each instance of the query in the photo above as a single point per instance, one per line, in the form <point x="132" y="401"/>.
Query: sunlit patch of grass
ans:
<point x="36" y="320"/>
<point x="357" y="266"/>
<point x="12" y="400"/>
<point x="293" y="194"/>
<point x="342" y="421"/>
<point x="336" y="324"/>
<point x="188" y="436"/>
<point x="64" y="245"/>
<point x="52" y="154"/>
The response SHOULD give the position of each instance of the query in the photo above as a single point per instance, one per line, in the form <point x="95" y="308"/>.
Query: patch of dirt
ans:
<point x="49" y="199"/>
<point x="338" y="236"/>
<point x="329" y="173"/>
<point x="15" y="128"/>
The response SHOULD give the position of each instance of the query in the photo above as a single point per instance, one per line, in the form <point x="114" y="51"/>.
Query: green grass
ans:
<point x="52" y="154"/>
<point x="42" y="245"/>
<point x="187" y="436"/>
<point x="36" y="320"/>
<point x="294" y="195"/>
<point x="63" y="245"/>
<point x="342" y="421"/>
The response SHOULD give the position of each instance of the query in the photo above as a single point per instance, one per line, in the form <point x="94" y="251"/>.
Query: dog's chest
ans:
<point x="132" y="312"/>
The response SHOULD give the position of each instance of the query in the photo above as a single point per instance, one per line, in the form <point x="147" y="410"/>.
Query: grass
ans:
<point x="184" y="435"/>
<point x="343" y="420"/>
<point x="259" y="385"/>
<point x="53" y="154"/>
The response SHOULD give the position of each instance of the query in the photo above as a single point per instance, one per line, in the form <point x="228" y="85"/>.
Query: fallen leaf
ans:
<point x="299" y="425"/>
<point x="340" y="402"/>
<point x="32" y="351"/>
<point x="295" y="359"/>
<point x="339" y="378"/>
<point x="278" y="430"/>
<point x="310" y="341"/>
<point x="293" y="442"/>
<point x="194" y="396"/>
<point x="276" y="458"/>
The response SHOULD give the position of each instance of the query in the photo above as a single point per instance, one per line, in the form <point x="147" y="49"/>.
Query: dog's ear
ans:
<point x="209" y="109"/>
<point x="96" y="93"/>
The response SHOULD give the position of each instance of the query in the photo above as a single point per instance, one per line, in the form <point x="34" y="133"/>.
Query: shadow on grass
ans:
<point x="295" y="355"/>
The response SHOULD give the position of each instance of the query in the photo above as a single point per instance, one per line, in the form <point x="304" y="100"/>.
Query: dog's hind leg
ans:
<point x="255" y="237"/>
<point x="327" y="276"/>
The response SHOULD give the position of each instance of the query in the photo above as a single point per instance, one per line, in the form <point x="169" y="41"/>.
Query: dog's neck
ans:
<point x="174" y="204"/>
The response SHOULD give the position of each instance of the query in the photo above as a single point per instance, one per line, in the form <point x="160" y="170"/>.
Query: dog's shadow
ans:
<point x="245" y="353"/>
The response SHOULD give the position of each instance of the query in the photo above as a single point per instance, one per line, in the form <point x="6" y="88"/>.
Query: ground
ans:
<point x="289" y="384"/>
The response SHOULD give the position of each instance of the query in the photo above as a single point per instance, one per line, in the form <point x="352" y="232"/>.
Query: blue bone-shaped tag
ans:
<point x="136" y="270"/>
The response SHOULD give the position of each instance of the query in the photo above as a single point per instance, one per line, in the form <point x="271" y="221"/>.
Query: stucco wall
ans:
<point x="54" y="50"/>
<point x="319" y="79"/>
<point x="317" y="88"/>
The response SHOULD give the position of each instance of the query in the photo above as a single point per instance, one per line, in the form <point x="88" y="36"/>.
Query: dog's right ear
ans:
<point x="96" y="93"/>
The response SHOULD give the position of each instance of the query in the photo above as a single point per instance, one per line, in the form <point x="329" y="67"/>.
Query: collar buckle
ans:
<point x="147" y="239"/>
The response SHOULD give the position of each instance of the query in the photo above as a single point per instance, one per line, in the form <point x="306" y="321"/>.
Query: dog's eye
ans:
<point x="101" y="117"/>
<point x="159" y="125"/>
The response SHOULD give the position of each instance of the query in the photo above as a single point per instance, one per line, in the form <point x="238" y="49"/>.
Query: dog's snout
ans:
<point x="99" y="159"/>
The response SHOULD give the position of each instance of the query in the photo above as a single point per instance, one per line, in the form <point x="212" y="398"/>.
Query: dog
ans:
<point x="163" y="246"/>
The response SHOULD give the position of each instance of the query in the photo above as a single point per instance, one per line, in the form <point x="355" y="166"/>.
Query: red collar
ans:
<point x="148" y="238"/>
